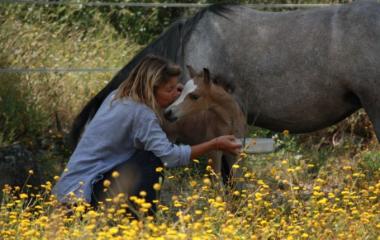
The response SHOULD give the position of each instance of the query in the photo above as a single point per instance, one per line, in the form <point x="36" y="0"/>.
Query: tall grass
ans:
<point x="33" y="102"/>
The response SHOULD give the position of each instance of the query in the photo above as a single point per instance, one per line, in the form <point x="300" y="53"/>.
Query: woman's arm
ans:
<point x="148" y="134"/>
<point x="224" y="143"/>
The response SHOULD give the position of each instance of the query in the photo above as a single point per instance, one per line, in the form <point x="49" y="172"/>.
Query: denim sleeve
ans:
<point x="149" y="135"/>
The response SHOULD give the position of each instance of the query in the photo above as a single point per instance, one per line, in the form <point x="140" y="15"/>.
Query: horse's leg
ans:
<point x="374" y="116"/>
<point x="371" y="105"/>
<point x="231" y="174"/>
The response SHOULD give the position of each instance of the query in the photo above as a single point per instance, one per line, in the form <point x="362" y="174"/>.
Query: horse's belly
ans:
<point x="304" y="116"/>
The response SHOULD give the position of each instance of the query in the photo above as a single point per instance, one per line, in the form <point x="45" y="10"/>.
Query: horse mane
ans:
<point x="220" y="9"/>
<point x="228" y="86"/>
<point x="168" y="45"/>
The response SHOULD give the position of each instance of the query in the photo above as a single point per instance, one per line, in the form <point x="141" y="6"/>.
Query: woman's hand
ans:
<point x="227" y="143"/>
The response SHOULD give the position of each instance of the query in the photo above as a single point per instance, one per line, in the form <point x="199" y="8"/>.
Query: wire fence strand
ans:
<point x="56" y="70"/>
<point x="156" y="5"/>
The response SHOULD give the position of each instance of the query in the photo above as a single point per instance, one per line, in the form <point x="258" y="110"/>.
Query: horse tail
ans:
<point x="80" y="121"/>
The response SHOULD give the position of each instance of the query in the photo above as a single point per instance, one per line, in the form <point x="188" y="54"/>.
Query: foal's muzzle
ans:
<point x="168" y="114"/>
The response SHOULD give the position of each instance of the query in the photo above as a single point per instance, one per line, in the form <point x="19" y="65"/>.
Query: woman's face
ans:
<point x="168" y="92"/>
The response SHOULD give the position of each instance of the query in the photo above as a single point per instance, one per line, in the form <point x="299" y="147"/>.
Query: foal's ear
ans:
<point x="206" y="76"/>
<point x="192" y="72"/>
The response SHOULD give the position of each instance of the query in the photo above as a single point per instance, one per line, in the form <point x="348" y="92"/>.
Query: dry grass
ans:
<point x="55" y="94"/>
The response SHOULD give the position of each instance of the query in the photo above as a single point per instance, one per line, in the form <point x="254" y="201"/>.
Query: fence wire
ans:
<point x="156" y="5"/>
<point x="56" y="70"/>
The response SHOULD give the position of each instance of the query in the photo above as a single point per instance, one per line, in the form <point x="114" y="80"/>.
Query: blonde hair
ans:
<point x="143" y="80"/>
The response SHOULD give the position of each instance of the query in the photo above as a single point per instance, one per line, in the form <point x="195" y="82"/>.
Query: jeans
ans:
<point x="135" y="175"/>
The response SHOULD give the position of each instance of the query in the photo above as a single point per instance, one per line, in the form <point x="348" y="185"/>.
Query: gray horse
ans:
<point x="299" y="70"/>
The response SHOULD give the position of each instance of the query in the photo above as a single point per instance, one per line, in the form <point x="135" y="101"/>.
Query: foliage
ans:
<point x="138" y="24"/>
<point x="19" y="116"/>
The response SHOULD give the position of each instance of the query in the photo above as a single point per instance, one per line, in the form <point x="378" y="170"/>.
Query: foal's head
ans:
<point x="199" y="94"/>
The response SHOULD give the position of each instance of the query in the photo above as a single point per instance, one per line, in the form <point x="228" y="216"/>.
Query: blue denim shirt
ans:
<point x="118" y="128"/>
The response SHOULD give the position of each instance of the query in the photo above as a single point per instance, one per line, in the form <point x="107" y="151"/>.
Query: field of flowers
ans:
<point x="298" y="192"/>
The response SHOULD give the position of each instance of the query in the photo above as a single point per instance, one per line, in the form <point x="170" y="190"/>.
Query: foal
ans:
<point x="204" y="110"/>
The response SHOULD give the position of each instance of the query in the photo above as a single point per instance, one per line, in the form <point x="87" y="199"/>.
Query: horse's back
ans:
<point x="245" y="34"/>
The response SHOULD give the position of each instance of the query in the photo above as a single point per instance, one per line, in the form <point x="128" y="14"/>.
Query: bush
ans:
<point x="19" y="117"/>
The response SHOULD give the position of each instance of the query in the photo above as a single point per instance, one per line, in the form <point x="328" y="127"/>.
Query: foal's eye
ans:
<point x="193" y="96"/>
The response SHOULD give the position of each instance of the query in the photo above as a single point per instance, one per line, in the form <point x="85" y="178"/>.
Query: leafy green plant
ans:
<point x="19" y="117"/>
<point x="370" y="162"/>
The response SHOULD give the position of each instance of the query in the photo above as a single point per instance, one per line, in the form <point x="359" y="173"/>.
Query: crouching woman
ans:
<point x="125" y="139"/>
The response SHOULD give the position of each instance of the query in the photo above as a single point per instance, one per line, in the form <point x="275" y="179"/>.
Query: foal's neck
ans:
<point x="225" y="107"/>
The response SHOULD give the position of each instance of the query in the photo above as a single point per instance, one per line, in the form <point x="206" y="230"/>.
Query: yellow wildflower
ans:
<point x="157" y="186"/>
<point x="107" y="183"/>
<point x="23" y="195"/>
<point x="115" y="174"/>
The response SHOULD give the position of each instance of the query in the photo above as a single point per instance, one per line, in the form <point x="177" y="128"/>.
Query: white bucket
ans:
<point x="257" y="145"/>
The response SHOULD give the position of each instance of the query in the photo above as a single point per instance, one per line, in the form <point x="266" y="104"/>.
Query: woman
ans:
<point x="125" y="138"/>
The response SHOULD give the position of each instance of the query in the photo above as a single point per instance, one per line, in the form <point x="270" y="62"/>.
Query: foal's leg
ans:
<point x="232" y="175"/>
<point x="135" y="175"/>
<point x="216" y="164"/>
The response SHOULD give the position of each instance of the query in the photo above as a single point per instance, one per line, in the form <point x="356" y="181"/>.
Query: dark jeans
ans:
<point x="135" y="175"/>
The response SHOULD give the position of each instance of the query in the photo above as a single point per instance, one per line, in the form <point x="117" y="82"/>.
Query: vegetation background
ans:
<point x="37" y="108"/>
